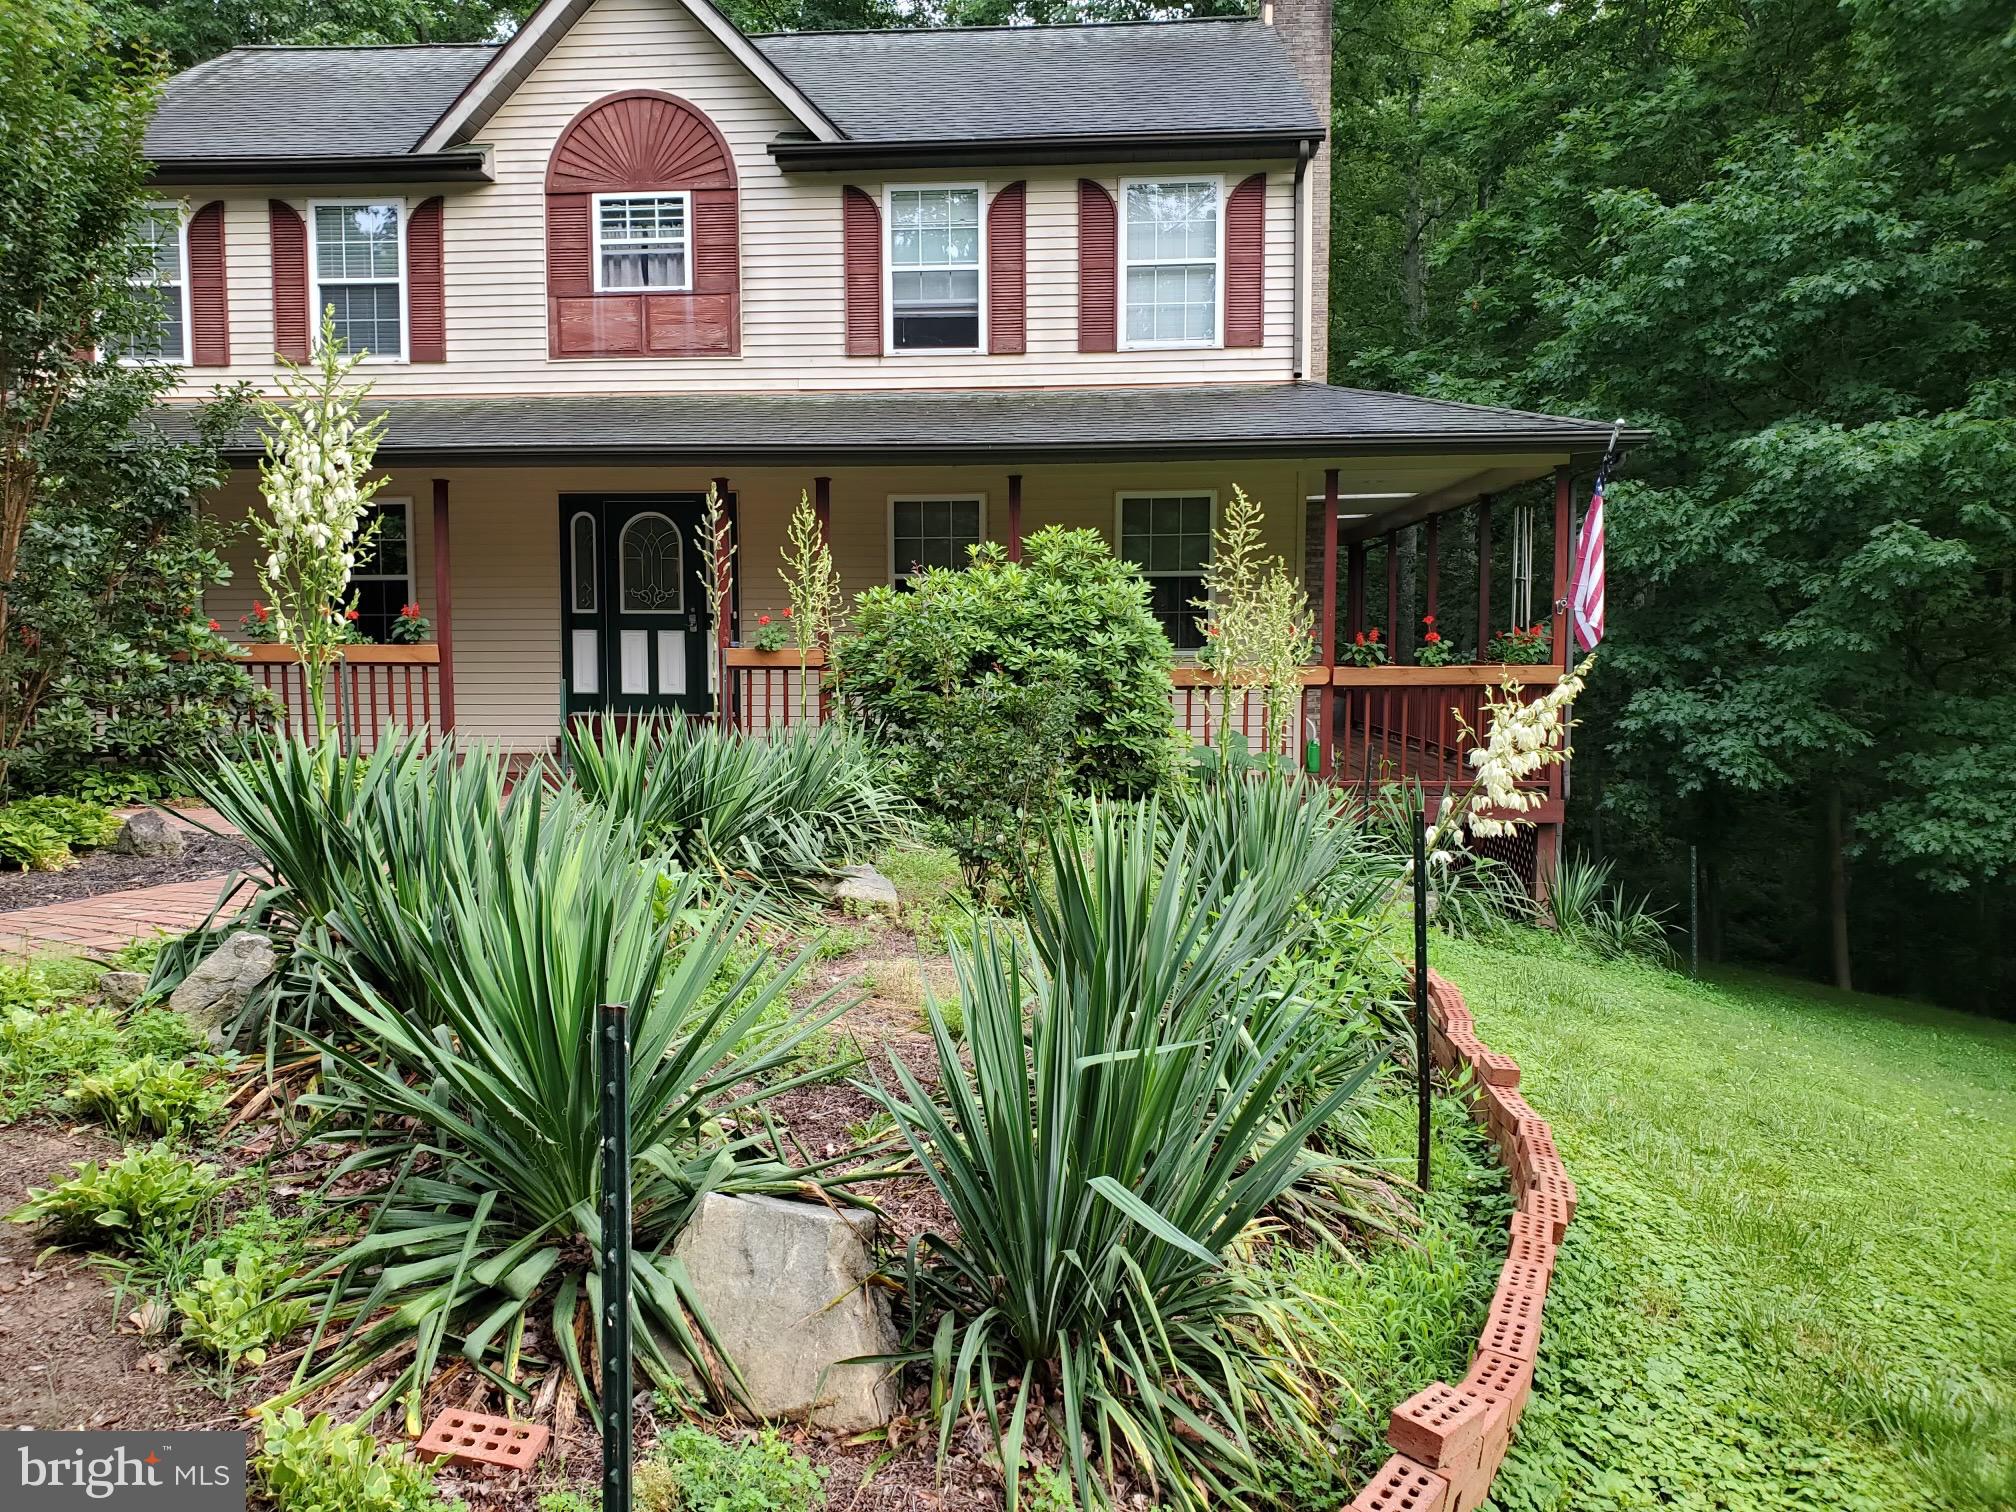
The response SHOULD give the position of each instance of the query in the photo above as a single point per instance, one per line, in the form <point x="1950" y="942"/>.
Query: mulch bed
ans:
<point x="108" y="872"/>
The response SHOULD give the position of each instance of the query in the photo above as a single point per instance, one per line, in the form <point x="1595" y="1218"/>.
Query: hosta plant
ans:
<point x="477" y="1100"/>
<point x="1107" y="1160"/>
<point x="149" y="1096"/>
<point x="233" y="1313"/>
<point x="319" y="1465"/>
<point x="144" y="1193"/>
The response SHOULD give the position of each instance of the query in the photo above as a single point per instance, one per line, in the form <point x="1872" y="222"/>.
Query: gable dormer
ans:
<point x="641" y="233"/>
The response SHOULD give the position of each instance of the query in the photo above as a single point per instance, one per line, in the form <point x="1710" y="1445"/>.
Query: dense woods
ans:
<point x="1781" y="235"/>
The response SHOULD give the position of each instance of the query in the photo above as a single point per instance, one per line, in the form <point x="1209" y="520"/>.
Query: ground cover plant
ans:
<point x="1792" y="1281"/>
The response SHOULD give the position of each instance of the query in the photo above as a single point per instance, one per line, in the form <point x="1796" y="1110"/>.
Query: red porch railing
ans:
<point x="771" y="694"/>
<point x="375" y="693"/>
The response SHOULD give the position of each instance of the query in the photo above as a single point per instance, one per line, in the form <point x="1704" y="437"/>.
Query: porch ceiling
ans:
<point x="1434" y="444"/>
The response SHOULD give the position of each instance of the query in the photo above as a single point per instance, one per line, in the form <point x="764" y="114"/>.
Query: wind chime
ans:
<point x="1524" y="520"/>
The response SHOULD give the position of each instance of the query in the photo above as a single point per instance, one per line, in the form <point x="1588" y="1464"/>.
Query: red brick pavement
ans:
<point x="110" y="920"/>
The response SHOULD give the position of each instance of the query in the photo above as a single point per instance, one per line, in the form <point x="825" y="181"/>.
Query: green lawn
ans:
<point x="1792" y="1281"/>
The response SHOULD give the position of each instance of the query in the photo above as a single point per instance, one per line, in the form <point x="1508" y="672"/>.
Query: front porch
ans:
<point x="561" y="577"/>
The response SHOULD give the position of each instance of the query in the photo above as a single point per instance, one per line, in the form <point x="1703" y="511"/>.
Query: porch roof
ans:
<point x="1310" y="421"/>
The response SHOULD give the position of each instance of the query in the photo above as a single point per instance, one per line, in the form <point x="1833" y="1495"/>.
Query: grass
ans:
<point x="1793" y="1279"/>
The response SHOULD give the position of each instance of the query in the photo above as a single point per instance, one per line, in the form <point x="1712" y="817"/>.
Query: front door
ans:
<point x="636" y="613"/>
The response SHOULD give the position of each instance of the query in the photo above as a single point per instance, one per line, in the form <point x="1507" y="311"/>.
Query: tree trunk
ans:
<point x="1402" y="610"/>
<point x="1837" y="891"/>
<point x="1413" y="225"/>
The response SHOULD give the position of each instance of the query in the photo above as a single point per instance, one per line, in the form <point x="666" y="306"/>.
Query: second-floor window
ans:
<point x="643" y="241"/>
<point x="360" y="272"/>
<point x="1170" y="253"/>
<point x="164" y="287"/>
<point x="934" y="269"/>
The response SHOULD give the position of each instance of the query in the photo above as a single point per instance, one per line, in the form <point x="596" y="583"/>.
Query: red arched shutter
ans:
<point x="288" y="235"/>
<point x="209" y="305"/>
<point x="862" y="234"/>
<point x="1098" y="269"/>
<point x="1008" y="270"/>
<point x="642" y="141"/>
<point x="426" y="291"/>
<point x="1246" y="263"/>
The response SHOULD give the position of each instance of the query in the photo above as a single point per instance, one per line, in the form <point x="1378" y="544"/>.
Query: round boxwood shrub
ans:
<point x="1069" y="616"/>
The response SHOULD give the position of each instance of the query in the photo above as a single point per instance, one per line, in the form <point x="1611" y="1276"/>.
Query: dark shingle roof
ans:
<point x="971" y="85"/>
<point x="290" y="102"/>
<point x="1284" y="419"/>
<point x="1035" y="81"/>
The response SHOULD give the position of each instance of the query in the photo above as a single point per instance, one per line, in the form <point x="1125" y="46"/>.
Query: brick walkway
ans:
<point x="110" y="920"/>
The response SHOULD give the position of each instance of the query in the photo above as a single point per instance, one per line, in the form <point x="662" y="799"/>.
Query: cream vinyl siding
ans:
<point x="792" y="295"/>
<point x="504" y="547"/>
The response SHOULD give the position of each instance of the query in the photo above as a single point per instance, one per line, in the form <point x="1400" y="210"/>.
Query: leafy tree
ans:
<point x="185" y="32"/>
<point x="103" y="653"/>
<point x="1777" y="233"/>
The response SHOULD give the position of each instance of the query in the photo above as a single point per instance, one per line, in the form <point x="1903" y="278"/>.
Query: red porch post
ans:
<point x="724" y="582"/>
<point x="1014" y="517"/>
<point x="444" y="606"/>
<point x="1483" y="575"/>
<point x="1326" y="646"/>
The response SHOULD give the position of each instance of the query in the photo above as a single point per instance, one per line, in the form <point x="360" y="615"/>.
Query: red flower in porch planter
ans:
<point x="1365" y="650"/>
<point x="1433" y="650"/>
<point x="410" y="628"/>
<point x="769" y="636"/>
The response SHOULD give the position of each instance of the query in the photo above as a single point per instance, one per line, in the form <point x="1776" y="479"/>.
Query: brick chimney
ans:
<point x="1306" y="29"/>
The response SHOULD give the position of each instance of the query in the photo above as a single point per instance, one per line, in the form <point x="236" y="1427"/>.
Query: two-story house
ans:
<point x="956" y="285"/>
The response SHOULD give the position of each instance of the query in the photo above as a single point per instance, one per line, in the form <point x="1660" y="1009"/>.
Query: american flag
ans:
<point x="1586" y="604"/>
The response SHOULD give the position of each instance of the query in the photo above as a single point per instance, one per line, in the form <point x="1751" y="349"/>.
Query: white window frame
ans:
<point x="1120" y="498"/>
<point x="941" y="496"/>
<point x="889" y="192"/>
<point x="180" y="210"/>
<point x="405" y="508"/>
<point x="595" y="201"/>
<point x="316" y="304"/>
<point x="1217" y="183"/>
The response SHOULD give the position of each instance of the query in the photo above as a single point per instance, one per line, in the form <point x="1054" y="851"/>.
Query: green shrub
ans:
<point x="692" y="1471"/>
<point x="41" y="1051"/>
<point x="144" y="1192"/>
<point x="148" y="1096"/>
<point x="159" y="1032"/>
<point x="43" y="979"/>
<point x="1069" y="619"/>
<point x="28" y="843"/>
<point x="990" y="765"/>
<point x="232" y="1313"/>
<point x="82" y="824"/>
<point x="325" y="1466"/>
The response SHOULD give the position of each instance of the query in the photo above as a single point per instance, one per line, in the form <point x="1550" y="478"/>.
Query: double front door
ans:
<point x="635" y="617"/>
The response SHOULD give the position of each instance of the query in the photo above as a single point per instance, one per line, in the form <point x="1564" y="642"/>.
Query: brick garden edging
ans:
<point x="1448" y="1441"/>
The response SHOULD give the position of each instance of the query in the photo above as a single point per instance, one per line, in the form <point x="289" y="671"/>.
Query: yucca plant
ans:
<point x="777" y="813"/>
<point x="1107" y="1165"/>
<point x="1284" y="835"/>
<point x="1591" y="911"/>
<point x="479" y="1100"/>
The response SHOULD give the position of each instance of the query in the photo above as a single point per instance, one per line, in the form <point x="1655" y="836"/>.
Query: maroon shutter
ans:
<point x="1246" y="263"/>
<point x="862" y="234"/>
<point x="717" y="262"/>
<point x="209" y="305"/>
<point x="1098" y="269"/>
<point x="1007" y="270"/>
<point x="426" y="293"/>
<point x="288" y="234"/>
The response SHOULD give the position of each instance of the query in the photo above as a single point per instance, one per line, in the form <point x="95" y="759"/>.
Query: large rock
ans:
<point x="785" y="1285"/>
<point x="868" y="887"/>
<point x="148" y="834"/>
<point x="122" y="989"/>
<point x="212" y="994"/>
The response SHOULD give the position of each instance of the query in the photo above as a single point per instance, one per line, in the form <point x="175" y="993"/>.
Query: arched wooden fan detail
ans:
<point x="640" y="139"/>
<point x="641" y="142"/>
